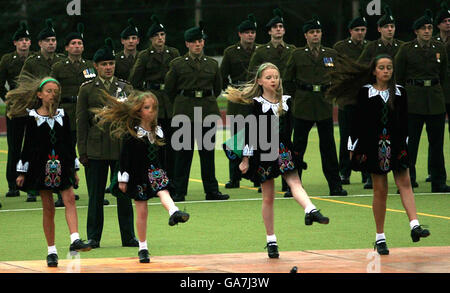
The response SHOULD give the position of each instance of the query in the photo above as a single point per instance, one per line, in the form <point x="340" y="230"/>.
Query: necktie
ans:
<point x="107" y="84"/>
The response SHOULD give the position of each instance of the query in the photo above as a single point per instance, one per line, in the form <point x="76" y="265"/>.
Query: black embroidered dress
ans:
<point x="379" y="134"/>
<point x="140" y="166"/>
<point x="48" y="159"/>
<point x="260" y="169"/>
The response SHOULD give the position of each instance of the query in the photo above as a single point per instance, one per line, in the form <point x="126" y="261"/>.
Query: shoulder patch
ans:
<point x="86" y="82"/>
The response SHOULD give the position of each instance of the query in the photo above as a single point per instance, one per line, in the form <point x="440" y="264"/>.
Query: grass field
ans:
<point x="236" y="225"/>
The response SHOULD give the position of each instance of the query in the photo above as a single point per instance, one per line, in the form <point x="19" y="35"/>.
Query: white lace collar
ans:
<point x="141" y="132"/>
<point x="266" y="105"/>
<point x="50" y="120"/>
<point x="383" y="94"/>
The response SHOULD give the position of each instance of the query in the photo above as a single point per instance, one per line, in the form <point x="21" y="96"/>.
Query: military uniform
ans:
<point x="194" y="82"/>
<point x="377" y="47"/>
<point x="268" y="53"/>
<point x="10" y="66"/>
<point x="124" y="64"/>
<point x="352" y="50"/>
<point x="102" y="152"/>
<point x="234" y="65"/>
<point x="307" y="82"/>
<point x="423" y="70"/>
<point x="70" y="76"/>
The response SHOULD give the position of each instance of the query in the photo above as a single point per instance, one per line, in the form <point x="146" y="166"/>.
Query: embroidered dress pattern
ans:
<point x="53" y="171"/>
<point x="158" y="178"/>
<point x="285" y="159"/>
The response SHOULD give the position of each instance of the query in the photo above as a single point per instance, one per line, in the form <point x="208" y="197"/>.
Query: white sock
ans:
<point x="74" y="236"/>
<point x="309" y="208"/>
<point x="173" y="209"/>
<point x="52" y="249"/>
<point x="271" y="238"/>
<point x="414" y="223"/>
<point x="380" y="236"/>
<point x="143" y="245"/>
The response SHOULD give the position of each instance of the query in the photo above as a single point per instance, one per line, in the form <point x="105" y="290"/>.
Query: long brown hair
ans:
<point x="245" y="93"/>
<point x="123" y="117"/>
<point x="25" y="96"/>
<point x="349" y="76"/>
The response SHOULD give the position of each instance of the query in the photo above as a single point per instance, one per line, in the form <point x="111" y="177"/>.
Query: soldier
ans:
<point x="421" y="66"/>
<point x="148" y="74"/>
<point x="306" y="80"/>
<point x="193" y="83"/>
<point x="10" y="66"/>
<point x="277" y="52"/>
<point x="126" y="58"/>
<point x="386" y="44"/>
<point x="40" y="63"/>
<point x="351" y="47"/>
<point x="234" y="66"/>
<point x="71" y="72"/>
<point x="98" y="151"/>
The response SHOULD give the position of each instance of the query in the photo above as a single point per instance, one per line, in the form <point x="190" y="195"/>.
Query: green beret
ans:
<point x="106" y="52"/>
<point x="387" y="18"/>
<point x="155" y="28"/>
<point x="248" y="24"/>
<point x="48" y="31"/>
<point x="427" y="18"/>
<point x="358" y="21"/>
<point x="278" y="18"/>
<point x="313" y="23"/>
<point x="78" y="35"/>
<point x="130" y="30"/>
<point x="195" y="33"/>
<point x="443" y="13"/>
<point x="21" y="32"/>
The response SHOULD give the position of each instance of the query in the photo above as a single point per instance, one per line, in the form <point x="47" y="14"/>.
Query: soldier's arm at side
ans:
<point x="170" y="82"/>
<point x="82" y="116"/>
<point x="400" y="66"/>
<point x="225" y="69"/>
<point x="3" y="77"/>
<point x="253" y="65"/>
<point x="218" y="83"/>
<point x="289" y="76"/>
<point x="137" y="71"/>
<point x="365" y="56"/>
<point x="444" y="64"/>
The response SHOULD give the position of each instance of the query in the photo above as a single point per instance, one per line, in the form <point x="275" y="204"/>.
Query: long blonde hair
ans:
<point x="123" y="117"/>
<point x="25" y="96"/>
<point x="245" y="93"/>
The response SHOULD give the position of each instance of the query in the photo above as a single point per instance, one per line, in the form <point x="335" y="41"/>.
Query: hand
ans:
<point x="19" y="181"/>
<point x="123" y="186"/>
<point x="243" y="166"/>
<point x="84" y="160"/>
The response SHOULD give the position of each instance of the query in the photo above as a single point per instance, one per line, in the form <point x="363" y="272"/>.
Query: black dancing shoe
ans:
<point x="144" y="256"/>
<point x="31" y="198"/>
<point x="178" y="217"/>
<point x="272" y="249"/>
<point x="80" y="245"/>
<point x="132" y="243"/>
<point x="52" y="260"/>
<point x="232" y="184"/>
<point x="12" y="193"/>
<point x="315" y="216"/>
<point x="381" y="247"/>
<point x="216" y="196"/>
<point x="417" y="232"/>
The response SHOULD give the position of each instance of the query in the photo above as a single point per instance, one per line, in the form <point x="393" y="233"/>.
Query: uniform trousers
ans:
<point x="15" y="129"/>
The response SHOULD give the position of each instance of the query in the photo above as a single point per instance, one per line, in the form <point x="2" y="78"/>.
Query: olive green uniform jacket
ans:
<point x="446" y="85"/>
<point x="124" y="65"/>
<point x="235" y="65"/>
<point x="148" y="73"/>
<point x="377" y="47"/>
<point x="10" y="67"/>
<point x="413" y="62"/>
<point x="38" y="66"/>
<point x="305" y="70"/>
<point x="186" y="74"/>
<point x="268" y="53"/>
<point x="93" y="141"/>
<point x="70" y="78"/>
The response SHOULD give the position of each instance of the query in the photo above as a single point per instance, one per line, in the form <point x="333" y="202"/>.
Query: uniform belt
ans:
<point x="155" y="86"/>
<point x="196" y="93"/>
<point x="69" y="100"/>
<point x="423" y="82"/>
<point x="313" y="87"/>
